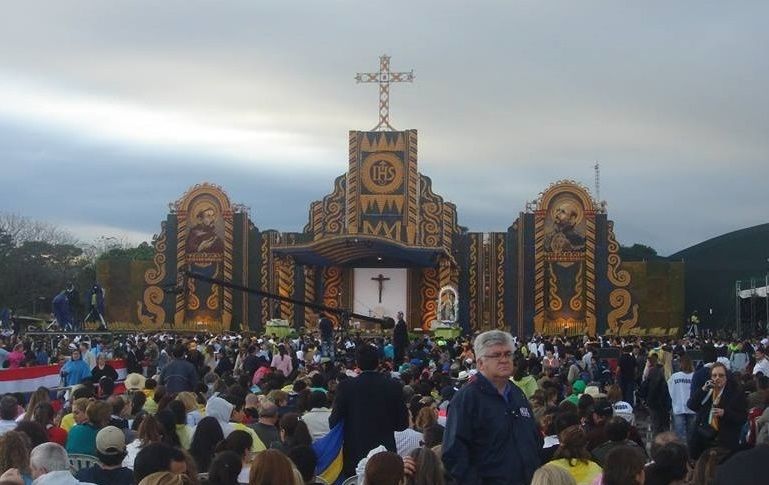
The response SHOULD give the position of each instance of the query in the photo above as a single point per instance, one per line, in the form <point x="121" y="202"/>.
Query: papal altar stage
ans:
<point x="382" y="241"/>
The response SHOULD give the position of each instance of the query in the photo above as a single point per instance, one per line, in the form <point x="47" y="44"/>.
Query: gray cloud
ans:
<point x="509" y="97"/>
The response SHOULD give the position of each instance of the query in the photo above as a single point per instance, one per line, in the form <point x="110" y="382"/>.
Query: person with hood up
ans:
<point x="577" y="389"/>
<point x="75" y="370"/>
<point x="221" y="410"/>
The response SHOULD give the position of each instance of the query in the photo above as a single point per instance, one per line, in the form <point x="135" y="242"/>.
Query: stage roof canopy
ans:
<point x="347" y="250"/>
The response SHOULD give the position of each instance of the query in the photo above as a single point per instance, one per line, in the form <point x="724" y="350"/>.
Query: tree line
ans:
<point x="38" y="260"/>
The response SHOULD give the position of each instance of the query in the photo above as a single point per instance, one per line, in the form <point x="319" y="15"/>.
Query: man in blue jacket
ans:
<point x="179" y="375"/>
<point x="491" y="435"/>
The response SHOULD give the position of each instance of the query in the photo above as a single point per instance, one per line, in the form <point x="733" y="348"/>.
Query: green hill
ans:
<point x="713" y="267"/>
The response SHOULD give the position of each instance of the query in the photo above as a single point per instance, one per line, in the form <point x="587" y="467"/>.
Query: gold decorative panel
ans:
<point x="564" y="261"/>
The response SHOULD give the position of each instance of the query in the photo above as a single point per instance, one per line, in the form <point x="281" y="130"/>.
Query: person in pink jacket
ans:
<point x="282" y="361"/>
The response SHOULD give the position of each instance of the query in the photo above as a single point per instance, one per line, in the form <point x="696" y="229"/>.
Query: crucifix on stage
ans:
<point x="380" y="279"/>
<point x="384" y="77"/>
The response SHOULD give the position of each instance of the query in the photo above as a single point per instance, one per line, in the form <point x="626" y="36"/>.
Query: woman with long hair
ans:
<point x="168" y="428"/>
<point x="42" y="394"/>
<point x="14" y="453"/>
<point x="191" y="407"/>
<point x="43" y="414"/>
<point x="271" y="467"/>
<point x="572" y="456"/>
<point x="239" y="442"/>
<point x="293" y="432"/>
<point x="429" y="470"/>
<point x="225" y="469"/>
<point x="207" y="435"/>
<point x="150" y="431"/>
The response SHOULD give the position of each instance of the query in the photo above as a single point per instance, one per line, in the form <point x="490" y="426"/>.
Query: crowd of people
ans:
<point x="485" y="409"/>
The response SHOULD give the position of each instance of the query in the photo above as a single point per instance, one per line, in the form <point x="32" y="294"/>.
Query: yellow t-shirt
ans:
<point x="583" y="473"/>
<point x="257" y="444"/>
<point x="68" y="422"/>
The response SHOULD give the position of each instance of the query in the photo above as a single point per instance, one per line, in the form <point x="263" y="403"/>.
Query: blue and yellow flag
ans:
<point x="328" y="449"/>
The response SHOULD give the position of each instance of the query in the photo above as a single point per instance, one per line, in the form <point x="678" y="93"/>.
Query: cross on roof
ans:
<point x="384" y="77"/>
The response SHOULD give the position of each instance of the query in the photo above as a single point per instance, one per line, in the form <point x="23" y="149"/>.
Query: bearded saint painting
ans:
<point x="205" y="249"/>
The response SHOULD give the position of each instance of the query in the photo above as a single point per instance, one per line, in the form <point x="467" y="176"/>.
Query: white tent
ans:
<point x="758" y="292"/>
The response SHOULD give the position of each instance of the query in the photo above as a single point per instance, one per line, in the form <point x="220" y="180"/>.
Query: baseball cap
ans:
<point x="110" y="441"/>
<point x="594" y="392"/>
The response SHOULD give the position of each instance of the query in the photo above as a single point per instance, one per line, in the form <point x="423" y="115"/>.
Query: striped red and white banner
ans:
<point x="28" y="379"/>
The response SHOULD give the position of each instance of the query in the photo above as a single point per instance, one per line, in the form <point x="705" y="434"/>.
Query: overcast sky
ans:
<point x="109" y="110"/>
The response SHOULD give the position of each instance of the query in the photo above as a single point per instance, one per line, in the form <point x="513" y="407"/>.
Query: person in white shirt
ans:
<point x="621" y="408"/>
<point x="762" y="364"/>
<point x="87" y="356"/>
<point x="679" y="386"/>
<point x="316" y="418"/>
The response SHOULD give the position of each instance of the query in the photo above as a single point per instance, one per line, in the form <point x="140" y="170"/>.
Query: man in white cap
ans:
<point x="110" y="450"/>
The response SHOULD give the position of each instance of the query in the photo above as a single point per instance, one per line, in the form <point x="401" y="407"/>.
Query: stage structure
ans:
<point x="383" y="241"/>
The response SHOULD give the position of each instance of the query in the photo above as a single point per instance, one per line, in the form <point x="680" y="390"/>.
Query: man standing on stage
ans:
<point x="400" y="339"/>
<point x="96" y="310"/>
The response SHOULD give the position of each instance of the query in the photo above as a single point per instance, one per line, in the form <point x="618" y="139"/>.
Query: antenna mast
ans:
<point x="597" y="169"/>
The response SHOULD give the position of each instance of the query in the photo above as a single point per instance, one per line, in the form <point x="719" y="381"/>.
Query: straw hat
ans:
<point x="134" y="382"/>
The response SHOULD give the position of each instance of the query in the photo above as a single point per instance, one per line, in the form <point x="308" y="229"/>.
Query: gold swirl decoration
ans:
<point x="212" y="302"/>
<point x="228" y="269"/>
<point x="153" y="299"/>
<point x="264" y="257"/>
<point x="430" y="221"/>
<point x="153" y="296"/>
<point x="554" y="302"/>
<point x="575" y="303"/>
<point x="500" y="273"/>
<point x="539" y="272"/>
<point x="310" y="322"/>
<point x="429" y="293"/>
<point x="620" y="299"/>
<point x="472" y="269"/>
<point x="617" y="277"/>
<point x="591" y="321"/>
<point x="286" y="286"/>
<point x="193" y="302"/>
<point x="155" y="275"/>
<point x="181" y="264"/>
<point x="332" y="287"/>
<point x="333" y="206"/>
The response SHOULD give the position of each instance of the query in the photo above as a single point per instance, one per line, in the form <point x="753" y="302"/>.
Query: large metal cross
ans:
<point x="384" y="77"/>
<point x="380" y="279"/>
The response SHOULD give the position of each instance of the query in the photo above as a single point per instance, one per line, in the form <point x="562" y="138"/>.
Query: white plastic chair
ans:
<point x="78" y="462"/>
